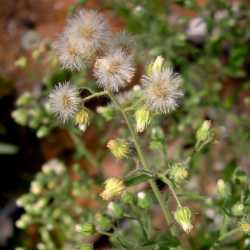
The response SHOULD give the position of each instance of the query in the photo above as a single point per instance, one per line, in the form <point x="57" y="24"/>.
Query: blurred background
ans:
<point x="208" y="42"/>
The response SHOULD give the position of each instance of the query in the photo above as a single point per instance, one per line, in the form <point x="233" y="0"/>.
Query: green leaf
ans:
<point x="137" y="177"/>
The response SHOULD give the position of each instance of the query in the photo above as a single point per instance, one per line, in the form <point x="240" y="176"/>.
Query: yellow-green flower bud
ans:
<point x="24" y="99"/>
<point x="115" y="210"/>
<point x="82" y="119"/>
<point x="178" y="173"/>
<point x="114" y="187"/>
<point x="24" y="221"/>
<point x="244" y="225"/>
<point x="143" y="200"/>
<point x="103" y="223"/>
<point x="21" y="62"/>
<point x="183" y="216"/>
<point x="87" y="229"/>
<point x="142" y="118"/>
<point x="238" y="209"/>
<point x="36" y="187"/>
<point x="119" y="148"/>
<point x="204" y="134"/>
<point x="20" y="116"/>
<point x="223" y="189"/>
<point x="42" y="132"/>
<point x="155" y="66"/>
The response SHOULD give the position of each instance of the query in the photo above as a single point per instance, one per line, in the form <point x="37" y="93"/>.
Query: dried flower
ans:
<point x="114" y="71"/>
<point x="119" y="148"/>
<point x="64" y="100"/>
<point x="162" y="89"/>
<point x="113" y="187"/>
<point x="183" y="216"/>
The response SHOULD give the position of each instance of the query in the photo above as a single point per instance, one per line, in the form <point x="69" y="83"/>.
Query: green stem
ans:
<point x="84" y="151"/>
<point x="165" y="210"/>
<point x="97" y="94"/>
<point x="223" y="237"/>
<point x="171" y="188"/>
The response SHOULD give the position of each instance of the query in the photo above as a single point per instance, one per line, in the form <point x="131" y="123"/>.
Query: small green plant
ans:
<point x="71" y="209"/>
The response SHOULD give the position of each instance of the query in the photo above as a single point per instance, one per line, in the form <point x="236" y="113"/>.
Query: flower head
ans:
<point x="119" y="148"/>
<point x="64" y="100"/>
<point x="114" y="71"/>
<point x="142" y="118"/>
<point x="183" y="216"/>
<point x="162" y="89"/>
<point x="69" y="52"/>
<point x="113" y="187"/>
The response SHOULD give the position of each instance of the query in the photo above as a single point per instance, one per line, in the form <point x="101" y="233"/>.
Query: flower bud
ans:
<point x="103" y="223"/>
<point x="245" y="225"/>
<point x="24" y="221"/>
<point x="20" y="116"/>
<point x="113" y="187"/>
<point x="119" y="148"/>
<point x="204" y="134"/>
<point x="21" y="62"/>
<point x="155" y="66"/>
<point x="87" y="229"/>
<point x="143" y="200"/>
<point x="24" y="99"/>
<point x="36" y="187"/>
<point x="178" y="173"/>
<point x="238" y="209"/>
<point x="157" y="138"/>
<point x="82" y="119"/>
<point x="223" y="189"/>
<point x="115" y="210"/>
<point x="107" y="112"/>
<point x="127" y="198"/>
<point x="42" y="132"/>
<point x="183" y="216"/>
<point x="142" y="118"/>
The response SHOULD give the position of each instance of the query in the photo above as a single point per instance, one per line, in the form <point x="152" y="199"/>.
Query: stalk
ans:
<point x="156" y="191"/>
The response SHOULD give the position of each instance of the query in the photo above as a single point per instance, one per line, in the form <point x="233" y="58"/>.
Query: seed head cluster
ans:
<point x="87" y="41"/>
<point x="85" y="34"/>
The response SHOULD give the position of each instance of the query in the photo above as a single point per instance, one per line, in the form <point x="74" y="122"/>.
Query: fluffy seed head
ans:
<point x="85" y="33"/>
<point x="114" y="70"/>
<point x="124" y="41"/>
<point x="64" y="101"/>
<point x="69" y="52"/>
<point x="89" y="28"/>
<point x="162" y="89"/>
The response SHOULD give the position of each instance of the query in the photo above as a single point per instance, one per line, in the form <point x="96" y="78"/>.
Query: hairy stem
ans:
<point x="171" y="188"/>
<point x="157" y="193"/>
<point x="97" y="94"/>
